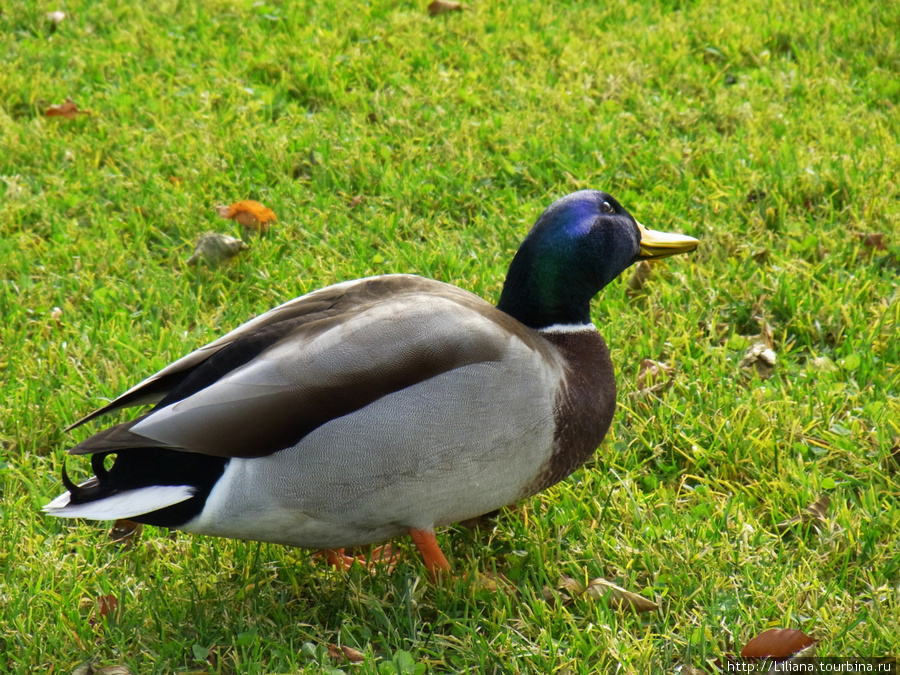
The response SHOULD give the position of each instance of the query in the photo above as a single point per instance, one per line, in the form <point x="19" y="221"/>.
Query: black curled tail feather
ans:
<point x="138" y="468"/>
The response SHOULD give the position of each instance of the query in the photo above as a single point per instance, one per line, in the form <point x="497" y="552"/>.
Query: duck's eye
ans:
<point x="606" y="207"/>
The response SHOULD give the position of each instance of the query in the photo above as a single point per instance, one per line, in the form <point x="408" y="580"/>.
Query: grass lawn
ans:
<point x="387" y="140"/>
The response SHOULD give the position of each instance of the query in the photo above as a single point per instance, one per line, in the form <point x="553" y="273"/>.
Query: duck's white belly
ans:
<point x="453" y="447"/>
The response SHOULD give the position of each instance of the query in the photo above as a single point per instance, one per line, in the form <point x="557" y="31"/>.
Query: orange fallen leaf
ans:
<point x="443" y="6"/>
<point x="778" y="643"/>
<point x="69" y="110"/>
<point x="249" y="214"/>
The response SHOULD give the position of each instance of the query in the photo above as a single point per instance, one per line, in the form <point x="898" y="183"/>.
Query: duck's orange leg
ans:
<point x="431" y="553"/>
<point x="336" y="558"/>
<point x="386" y="555"/>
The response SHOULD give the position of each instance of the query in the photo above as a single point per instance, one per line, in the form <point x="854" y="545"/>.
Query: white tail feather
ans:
<point x="122" y="505"/>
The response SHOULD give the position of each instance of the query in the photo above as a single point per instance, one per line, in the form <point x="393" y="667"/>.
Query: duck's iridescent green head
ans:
<point x="578" y="245"/>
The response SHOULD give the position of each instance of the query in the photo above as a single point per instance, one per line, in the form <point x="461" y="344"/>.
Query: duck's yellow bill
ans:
<point x="656" y="244"/>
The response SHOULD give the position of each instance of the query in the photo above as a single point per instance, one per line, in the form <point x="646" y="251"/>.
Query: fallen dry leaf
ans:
<point x="777" y="643"/>
<point x="817" y="512"/>
<point x="653" y="376"/>
<point x="69" y="110"/>
<point x="688" y="669"/>
<point x="214" y="248"/>
<point x="761" y="357"/>
<point x="88" y="669"/>
<point x="443" y="6"/>
<point x="249" y="214"/>
<point x="356" y="201"/>
<point x="565" y="591"/>
<point x="107" y="604"/>
<point x="638" y="278"/>
<point x="823" y="364"/>
<point x="568" y="589"/>
<point x="344" y="652"/>
<point x="618" y="597"/>
<point x="125" y="532"/>
<point x="104" y="605"/>
<point x="873" y="240"/>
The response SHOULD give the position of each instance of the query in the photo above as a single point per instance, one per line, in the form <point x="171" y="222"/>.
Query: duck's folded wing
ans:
<point x="327" y="364"/>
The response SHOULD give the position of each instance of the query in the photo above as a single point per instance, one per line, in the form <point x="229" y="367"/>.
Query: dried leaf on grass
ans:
<point x="618" y="597"/>
<point x="759" y="356"/>
<point x="443" y="6"/>
<point x="817" y="512"/>
<point x="345" y="653"/>
<point x="823" y="364"/>
<point x="214" y="248"/>
<point x="690" y="670"/>
<point x="104" y="606"/>
<point x="88" y="669"/>
<point x="568" y="589"/>
<point x="125" y="532"/>
<point x="251" y="215"/>
<point x="69" y="110"/>
<point x="638" y="279"/>
<point x="653" y="377"/>
<point x="777" y="643"/>
<point x="873" y="240"/>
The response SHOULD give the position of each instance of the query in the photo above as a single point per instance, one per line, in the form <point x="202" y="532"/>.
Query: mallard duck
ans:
<point x="382" y="406"/>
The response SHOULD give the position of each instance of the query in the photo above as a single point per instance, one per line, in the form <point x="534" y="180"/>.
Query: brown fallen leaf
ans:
<point x="618" y="597"/>
<point x="872" y="240"/>
<point x="249" y="214"/>
<point x="88" y="669"/>
<point x="688" y="669"/>
<point x="761" y="357"/>
<point x="356" y="201"/>
<point x="653" y="376"/>
<point x="214" y="248"/>
<point x="69" y="110"/>
<point x="345" y="653"/>
<point x="443" y="6"/>
<point x="104" y="606"/>
<point x="777" y="643"/>
<point x="817" y="512"/>
<point x="638" y="278"/>
<point x="565" y="591"/>
<point x="125" y="532"/>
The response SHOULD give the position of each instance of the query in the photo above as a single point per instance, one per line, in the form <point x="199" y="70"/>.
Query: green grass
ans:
<point x="767" y="130"/>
